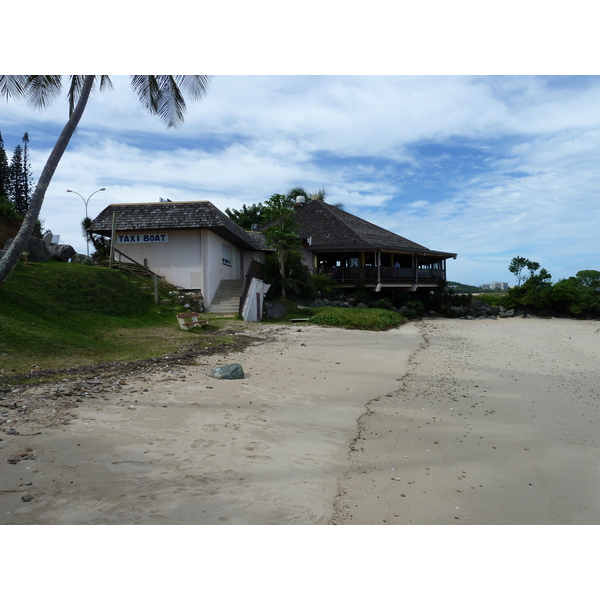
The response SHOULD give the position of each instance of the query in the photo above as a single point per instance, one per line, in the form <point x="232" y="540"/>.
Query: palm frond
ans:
<point x="195" y="86"/>
<point x="162" y="95"/>
<point x="147" y="91"/>
<point x="41" y="90"/>
<point x="105" y="83"/>
<point x="320" y="194"/>
<point x="74" y="91"/>
<point x="77" y="84"/>
<point x="13" y="86"/>
<point x="297" y="191"/>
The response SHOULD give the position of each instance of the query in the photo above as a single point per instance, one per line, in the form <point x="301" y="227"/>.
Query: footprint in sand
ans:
<point x="255" y="419"/>
<point x="207" y="444"/>
<point x="256" y="446"/>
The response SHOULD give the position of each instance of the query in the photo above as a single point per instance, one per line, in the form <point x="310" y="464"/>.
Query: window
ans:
<point x="227" y="255"/>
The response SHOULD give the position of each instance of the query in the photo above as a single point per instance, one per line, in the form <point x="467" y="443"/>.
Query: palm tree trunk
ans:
<point x="13" y="254"/>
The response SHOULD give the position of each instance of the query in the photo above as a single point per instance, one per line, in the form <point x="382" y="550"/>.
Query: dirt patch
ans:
<point x="51" y="396"/>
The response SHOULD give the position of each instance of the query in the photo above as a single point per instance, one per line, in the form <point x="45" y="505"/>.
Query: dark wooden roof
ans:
<point x="329" y="228"/>
<point x="161" y="216"/>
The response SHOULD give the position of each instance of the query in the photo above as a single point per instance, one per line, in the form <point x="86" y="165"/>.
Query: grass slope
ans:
<point x="59" y="315"/>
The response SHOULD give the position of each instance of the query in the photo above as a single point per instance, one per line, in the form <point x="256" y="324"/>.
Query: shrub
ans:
<point x="373" y="319"/>
<point x="384" y="303"/>
<point x="8" y="211"/>
<point x="322" y="285"/>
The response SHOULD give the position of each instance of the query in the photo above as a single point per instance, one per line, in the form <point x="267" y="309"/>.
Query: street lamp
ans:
<point x="86" y="210"/>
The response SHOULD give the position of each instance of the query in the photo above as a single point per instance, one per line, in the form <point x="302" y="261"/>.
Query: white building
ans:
<point x="193" y="245"/>
<point x="495" y="285"/>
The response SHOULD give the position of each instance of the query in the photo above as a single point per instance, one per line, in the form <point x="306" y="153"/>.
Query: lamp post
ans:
<point x="86" y="210"/>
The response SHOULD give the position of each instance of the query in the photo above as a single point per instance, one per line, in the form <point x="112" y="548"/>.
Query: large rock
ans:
<point x="233" y="371"/>
<point x="62" y="252"/>
<point x="38" y="251"/>
<point x="82" y="258"/>
<point x="274" y="310"/>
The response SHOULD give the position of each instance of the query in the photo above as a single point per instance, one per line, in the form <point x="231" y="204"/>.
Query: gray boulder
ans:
<point x="62" y="252"/>
<point x="38" y="251"/>
<point x="233" y="371"/>
<point x="82" y="258"/>
<point x="274" y="310"/>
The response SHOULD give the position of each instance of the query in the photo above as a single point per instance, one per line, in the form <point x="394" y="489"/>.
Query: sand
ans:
<point x="438" y="422"/>
<point x="495" y="423"/>
<point x="180" y="447"/>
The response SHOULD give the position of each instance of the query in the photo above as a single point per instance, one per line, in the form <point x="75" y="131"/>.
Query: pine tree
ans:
<point x="26" y="174"/>
<point x="16" y="189"/>
<point x="4" y="170"/>
<point x="20" y="180"/>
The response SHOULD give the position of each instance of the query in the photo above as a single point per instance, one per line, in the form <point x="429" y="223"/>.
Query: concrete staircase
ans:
<point x="227" y="297"/>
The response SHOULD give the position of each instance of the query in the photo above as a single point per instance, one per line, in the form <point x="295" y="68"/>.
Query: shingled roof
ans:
<point x="330" y="228"/>
<point x="155" y="216"/>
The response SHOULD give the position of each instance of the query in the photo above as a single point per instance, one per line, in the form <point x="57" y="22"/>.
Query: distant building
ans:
<point x="495" y="285"/>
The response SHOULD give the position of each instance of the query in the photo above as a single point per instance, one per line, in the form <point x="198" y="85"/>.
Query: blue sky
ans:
<point x="489" y="167"/>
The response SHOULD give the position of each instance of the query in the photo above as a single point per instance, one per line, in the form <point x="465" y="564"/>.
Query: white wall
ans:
<point x="178" y="260"/>
<point x="191" y="259"/>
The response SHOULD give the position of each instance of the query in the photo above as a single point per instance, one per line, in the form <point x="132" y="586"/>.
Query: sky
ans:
<point x="427" y="119"/>
<point x="488" y="167"/>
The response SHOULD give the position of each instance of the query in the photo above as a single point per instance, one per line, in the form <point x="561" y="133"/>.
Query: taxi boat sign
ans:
<point x="142" y="238"/>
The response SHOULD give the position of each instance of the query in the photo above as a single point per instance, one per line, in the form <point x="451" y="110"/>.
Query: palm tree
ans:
<point x="297" y="191"/>
<point x="319" y="194"/>
<point x="162" y="95"/>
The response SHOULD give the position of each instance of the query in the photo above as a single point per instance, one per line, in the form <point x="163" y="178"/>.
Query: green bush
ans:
<point x="372" y="319"/>
<point x="322" y="285"/>
<point x="298" y="283"/>
<point x="384" y="303"/>
<point x="8" y="211"/>
<point x="493" y="299"/>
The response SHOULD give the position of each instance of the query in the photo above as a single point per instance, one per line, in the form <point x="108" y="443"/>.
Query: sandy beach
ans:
<point x="438" y="422"/>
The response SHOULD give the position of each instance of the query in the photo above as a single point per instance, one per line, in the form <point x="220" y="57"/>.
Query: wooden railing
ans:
<point x="131" y="266"/>
<point x="382" y="274"/>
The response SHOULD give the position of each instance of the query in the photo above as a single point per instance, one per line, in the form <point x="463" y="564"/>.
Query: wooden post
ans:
<point x="156" y="288"/>
<point x="113" y="234"/>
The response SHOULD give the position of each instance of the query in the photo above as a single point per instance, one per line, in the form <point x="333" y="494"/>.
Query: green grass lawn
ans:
<point x="59" y="315"/>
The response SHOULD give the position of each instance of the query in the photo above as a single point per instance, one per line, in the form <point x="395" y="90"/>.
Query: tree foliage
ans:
<point x="319" y="194"/>
<point x="576" y="296"/>
<point x="4" y="170"/>
<point x="282" y="232"/>
<point x="248" y="217"/>
<point x="518" y="264"/>
<point x="16" y="181"/>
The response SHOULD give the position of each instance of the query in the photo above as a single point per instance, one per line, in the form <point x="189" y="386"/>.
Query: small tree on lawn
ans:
<point x="282" y="233"/>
